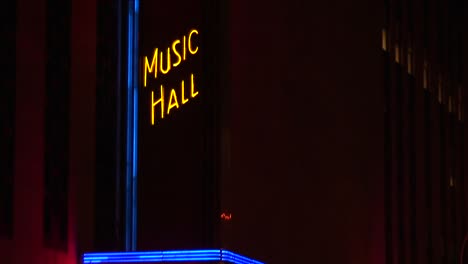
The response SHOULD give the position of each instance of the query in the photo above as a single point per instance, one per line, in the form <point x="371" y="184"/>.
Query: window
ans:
<point x="384" y="39"/>
<point x="410" y="57"/>
<point x="425" y="75"/>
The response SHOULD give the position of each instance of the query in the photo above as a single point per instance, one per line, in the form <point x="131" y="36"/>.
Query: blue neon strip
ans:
<point x="132" y="127"/>
<point x="129" y="169"/>
<point x="135" y="87"/>
<point x="228" y="253"/>
<point x="169" y="256"/>
<point x="154" y="260"/>
<point x="236" y="260"/>
<point x="135" y="127"/>
<point x="155" y="252"/>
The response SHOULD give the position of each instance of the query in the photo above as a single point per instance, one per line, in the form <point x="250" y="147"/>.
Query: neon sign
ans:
<point x="216" y="255"/>
<point x="161" y="62"/>
<point x="226" y="217"/>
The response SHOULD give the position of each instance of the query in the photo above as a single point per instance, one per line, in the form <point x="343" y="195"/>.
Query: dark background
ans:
<point x="172" y="152"/>
<point x="303" y="164"/>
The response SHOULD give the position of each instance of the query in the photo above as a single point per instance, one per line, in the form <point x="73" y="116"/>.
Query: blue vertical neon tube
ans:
<point x="129" y="148"/>
<point x="132" y="128"/>
<point x="135" y="125"/>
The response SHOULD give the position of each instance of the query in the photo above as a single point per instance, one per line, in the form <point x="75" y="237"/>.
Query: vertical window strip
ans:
<point x="459" y="103"/>
<point x="425" y="74"/>
<point x="397" y="52"/>
<point x="384" y="39"/>
<point x="439" y="90"/>
<point x="410" y="60"/>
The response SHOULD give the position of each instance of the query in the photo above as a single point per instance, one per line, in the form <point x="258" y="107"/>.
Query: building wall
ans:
<point x="84" y="87"/>
<point x="304" y="178"/>
<point x="425" y="169"/>
<point x="28" y="241"/>
<point x="305" y="114"/>
<point x="302" y="174"/>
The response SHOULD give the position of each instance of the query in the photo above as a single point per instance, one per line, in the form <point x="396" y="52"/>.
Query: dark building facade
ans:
<point x="289" y="132"/>
<point x="425" y="198"/>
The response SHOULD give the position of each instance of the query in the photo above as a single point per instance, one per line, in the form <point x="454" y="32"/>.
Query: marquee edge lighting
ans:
<point x="168" y="256"/>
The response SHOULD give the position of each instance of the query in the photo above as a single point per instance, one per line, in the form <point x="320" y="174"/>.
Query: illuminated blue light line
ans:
<point x="163" y="256"/>
<point x="235" y="260"/>
<point x="247" y="259"/>
<point x="215" y="251"/>
<point x="169" y="256"/>
<point x="135" y="90"/>
<point x="132" y="127"/>
<point x="160" y="259"/>
<point x="96" y="258"/>
<point x="154" y="260"/>
<point x="152" y="257"/>
<point x="177" y="255"/>
<point x="227" y="256"/>
<point x="129" y="148"/>
<point x="135" y="125"/>
<point x="229" y="253"/>
<point x="137" y="6"/>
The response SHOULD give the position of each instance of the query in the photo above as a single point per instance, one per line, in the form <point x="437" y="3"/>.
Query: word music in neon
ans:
<point x="160" y="63"/>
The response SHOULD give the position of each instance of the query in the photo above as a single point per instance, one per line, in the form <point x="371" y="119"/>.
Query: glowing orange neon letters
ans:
<point x="162" y="61"/>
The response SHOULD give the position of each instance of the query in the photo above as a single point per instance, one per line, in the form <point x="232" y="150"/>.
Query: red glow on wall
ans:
<point x="226" y="216"/>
